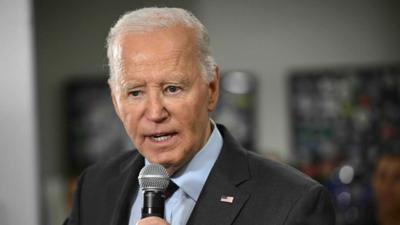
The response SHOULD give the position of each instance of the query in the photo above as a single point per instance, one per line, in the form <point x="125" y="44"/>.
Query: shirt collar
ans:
<point x="192" y="177"/>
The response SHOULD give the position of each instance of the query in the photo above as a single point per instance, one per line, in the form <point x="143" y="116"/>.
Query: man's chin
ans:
<point x="166" y="163"/>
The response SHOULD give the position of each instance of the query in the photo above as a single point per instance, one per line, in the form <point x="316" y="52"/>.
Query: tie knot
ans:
<point x="172" y="187"/>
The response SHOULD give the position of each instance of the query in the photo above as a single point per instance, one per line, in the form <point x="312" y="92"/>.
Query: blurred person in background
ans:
<point x="164" y="83"/>
<point x="386" y="185"/>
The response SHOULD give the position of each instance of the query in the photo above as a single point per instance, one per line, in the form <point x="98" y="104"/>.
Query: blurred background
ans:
<point x="310" y="83"/>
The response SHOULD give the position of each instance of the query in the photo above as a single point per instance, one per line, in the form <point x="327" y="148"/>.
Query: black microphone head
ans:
<point x="153" y="177"/>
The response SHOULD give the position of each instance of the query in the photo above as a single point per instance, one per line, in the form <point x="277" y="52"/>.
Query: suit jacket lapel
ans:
<point x="127" y="185"/>
<point x="229" y="171"/>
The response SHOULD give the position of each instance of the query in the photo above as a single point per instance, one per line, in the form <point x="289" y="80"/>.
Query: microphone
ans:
<point x="153" y="180"/>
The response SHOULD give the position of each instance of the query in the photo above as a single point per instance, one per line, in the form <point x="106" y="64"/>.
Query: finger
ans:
<point x="152" y="220"/>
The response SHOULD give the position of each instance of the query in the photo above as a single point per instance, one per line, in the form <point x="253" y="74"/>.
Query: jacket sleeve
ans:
<point x="74" y="217"/>
<point x="312" y="208"/>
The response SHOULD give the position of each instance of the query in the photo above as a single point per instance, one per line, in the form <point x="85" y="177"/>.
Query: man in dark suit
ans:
<point x="164" y="82"/>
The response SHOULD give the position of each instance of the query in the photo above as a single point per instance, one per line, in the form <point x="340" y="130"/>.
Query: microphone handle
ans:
<point x="153" y="204"/>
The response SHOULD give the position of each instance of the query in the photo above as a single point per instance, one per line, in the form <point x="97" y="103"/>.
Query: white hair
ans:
<point x="147" y="20"/>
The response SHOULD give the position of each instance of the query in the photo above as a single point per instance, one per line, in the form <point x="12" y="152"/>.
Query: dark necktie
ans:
<point x="172" y="187"/>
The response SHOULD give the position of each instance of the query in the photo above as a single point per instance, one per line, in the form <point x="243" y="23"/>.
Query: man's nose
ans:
<point x="155" y="109"/>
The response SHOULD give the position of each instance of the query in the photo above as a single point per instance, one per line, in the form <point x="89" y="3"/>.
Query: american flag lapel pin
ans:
<point x="227" y="199"/>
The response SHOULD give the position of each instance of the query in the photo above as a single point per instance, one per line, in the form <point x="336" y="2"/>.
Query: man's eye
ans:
<point x="134" y="93"/>
<point x="172" y="89"/>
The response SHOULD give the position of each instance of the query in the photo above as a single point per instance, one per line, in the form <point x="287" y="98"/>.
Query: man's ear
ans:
<point x="213" y="90"/>
<point x="113" y="93"/>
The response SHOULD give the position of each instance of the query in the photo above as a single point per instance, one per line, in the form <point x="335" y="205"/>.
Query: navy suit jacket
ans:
<point x="264" y="192"/>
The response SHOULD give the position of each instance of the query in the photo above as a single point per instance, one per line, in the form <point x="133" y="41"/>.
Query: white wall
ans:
<point x="269" y="38"/>
<point x="18" y="169"/>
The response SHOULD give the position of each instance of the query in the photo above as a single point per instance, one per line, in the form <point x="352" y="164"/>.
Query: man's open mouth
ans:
<point x="161" y="137"/>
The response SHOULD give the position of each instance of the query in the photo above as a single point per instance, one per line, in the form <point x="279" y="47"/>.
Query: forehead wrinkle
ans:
<point x="154" y="64"/>
<point x="139" y="58"/>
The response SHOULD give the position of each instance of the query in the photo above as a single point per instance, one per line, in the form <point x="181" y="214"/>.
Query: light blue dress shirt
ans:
<point x="190" y="180"/>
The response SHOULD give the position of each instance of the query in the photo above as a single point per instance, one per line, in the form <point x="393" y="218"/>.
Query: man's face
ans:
<point x="386" y="183"/>
<point x="162" y="98"/>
